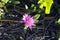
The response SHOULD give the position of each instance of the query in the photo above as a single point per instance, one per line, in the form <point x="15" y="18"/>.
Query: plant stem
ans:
<point x="5" y="9"/>
<point x="8" y="21"/>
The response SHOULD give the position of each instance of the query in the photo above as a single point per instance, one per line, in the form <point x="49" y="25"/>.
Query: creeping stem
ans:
<point x="8" y="21"/>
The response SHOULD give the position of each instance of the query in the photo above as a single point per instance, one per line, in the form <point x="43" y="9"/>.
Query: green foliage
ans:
<point x="37" y="16"/>
<point x="5" y="8"/>
<point x="26" y="7"/>
<point x="58" y="22"/>
<point x="16" y="2"/>
<point x="40" y="4"/>
<point x="1" y="13"/>
<point x="32" y="5"/>
<point x="25" y="28"/>
<point x="1" y="4"/>
<point x="5" y="1"/>
<point x="47" y="4"/>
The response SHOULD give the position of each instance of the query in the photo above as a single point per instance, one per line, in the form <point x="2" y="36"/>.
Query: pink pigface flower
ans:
<point x="28" y="20"/>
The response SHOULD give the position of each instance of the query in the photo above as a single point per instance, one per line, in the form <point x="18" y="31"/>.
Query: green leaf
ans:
<point x="47" y="4"/>
<point x="16" y="2"/>
<point x="36" y="21"/>
<point x="34" y="9"/>
<point x="5" y="8"/>
<point x="26" y="6"/>
<point x="32" y="5"/>
<point x="1" y="4"/>
<point x="40" y="1"/>
<point x="5" y="1"/>
<point x="37" y="16"/>
<point x="58" y="21"/>
<point x="25" y="28"/>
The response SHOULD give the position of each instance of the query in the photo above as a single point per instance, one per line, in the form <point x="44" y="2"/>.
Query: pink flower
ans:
<point x="28" y="20"/>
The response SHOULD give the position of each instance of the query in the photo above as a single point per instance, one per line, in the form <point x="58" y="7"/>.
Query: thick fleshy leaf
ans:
<point x="25" y="28"/>
<point x="37" y="16"/>
<point x="47" y="4"/>
<point x="5" y="1"/>
<point x="16" y="2"/>
<point x="58" y="21"/>
<point x="26" y="6"/>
